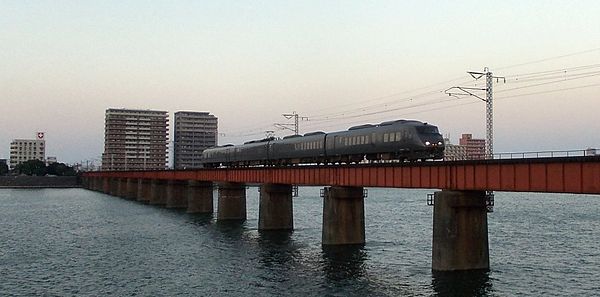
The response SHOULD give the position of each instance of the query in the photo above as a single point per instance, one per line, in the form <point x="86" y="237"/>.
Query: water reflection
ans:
<point x="344" y="262"/>
<point x="462" y="283"/>
<point x="201" y="219"/>
<point x="276" y="248"/>
<point x="231" y="230"/>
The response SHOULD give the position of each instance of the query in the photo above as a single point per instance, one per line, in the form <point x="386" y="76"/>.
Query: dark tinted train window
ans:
<point x="427" y="129"/>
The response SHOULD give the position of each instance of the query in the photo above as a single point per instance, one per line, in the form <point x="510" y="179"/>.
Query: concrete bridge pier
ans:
<point x="460" y="233"/>
<point x="121" y="187"/>
<point x="158" y="192"/>
<point x="176" y="194"/>
<point x="106" y="185"/>
<point x="114" y="186"/>
<point x="343" y="216"/>
<point x="91" y="183"/>
<point x="85" y="182"/>
<point x="131" y="188"/>
<point x="232" y="202"/>
<point x="275" y="210"/>
<point x="200" y="197"/>
<point x="96" y="184"/>
<point x="143" y="190"/>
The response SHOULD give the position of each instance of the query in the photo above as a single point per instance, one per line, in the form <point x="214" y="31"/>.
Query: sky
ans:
<point x="337" y="63"/>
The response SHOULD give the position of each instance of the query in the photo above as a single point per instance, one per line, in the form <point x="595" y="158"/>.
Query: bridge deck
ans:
<point x="580" y="175"/>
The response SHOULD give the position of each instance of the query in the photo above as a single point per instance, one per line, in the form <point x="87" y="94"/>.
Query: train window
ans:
<point x="398" y="136"/>
<point x="345" y="140"/>
<point x="386" y="137"/>
<point x="392" y="137"/>
<point x="367" y="139"/>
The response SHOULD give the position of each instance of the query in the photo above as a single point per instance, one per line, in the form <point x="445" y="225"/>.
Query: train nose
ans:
<point x="429" y="143"/>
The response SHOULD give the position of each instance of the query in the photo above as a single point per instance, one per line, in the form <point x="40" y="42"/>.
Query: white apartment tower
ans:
<point x="135" y="139"/>
<point x="22" y="150"/>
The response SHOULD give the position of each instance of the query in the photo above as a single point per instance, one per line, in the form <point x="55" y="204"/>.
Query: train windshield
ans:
<point x="428" y="130"/>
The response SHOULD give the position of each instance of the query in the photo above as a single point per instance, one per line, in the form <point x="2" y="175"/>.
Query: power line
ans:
<point x="550" y="58"/>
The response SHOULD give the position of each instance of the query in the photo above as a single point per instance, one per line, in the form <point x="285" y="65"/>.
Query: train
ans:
<point x="403" y="140"/>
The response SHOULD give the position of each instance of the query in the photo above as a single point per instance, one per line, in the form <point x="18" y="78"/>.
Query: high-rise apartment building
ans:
<point x="135" y="139"/>
<point x="193" y="133"/>
<point x="475" y="148"/>
<point x="22" y="150"/>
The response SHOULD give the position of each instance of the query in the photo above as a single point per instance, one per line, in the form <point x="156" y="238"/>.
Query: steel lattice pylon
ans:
<point x="489" y="116"/>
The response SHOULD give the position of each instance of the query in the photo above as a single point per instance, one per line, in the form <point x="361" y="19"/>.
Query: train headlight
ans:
<point x="427" y="143"/>
<point x="440" y="143"/>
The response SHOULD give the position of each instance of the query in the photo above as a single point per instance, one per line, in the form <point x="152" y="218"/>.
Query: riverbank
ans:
<point x="39" y="182"/>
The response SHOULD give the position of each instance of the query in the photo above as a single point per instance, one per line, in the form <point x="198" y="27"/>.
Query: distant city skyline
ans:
<point x="338" y="63"/>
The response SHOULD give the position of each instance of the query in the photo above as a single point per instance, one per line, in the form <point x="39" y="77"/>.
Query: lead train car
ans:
<point x="393" y="140"/>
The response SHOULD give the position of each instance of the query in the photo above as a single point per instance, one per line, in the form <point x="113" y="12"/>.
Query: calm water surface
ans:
<point x="74" y="242"/>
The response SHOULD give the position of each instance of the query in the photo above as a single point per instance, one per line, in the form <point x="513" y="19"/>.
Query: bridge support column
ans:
<point x="200" y="197"/>
<point x="460" y="235"/>
<point x="121" y="187"/>
<point x="131" y="188"/>
<point x="343" y="216"/>
<point x="232" y="202"/>
<point x="176" y="196"/>
<point x="275" y="211"/>
<point x="143" y="190"/>
<point x="106" y="185"/>
<point x="158" y="192"/>
<point x="97" y="184"/>
<point x="94" y="183"/>
<point x="114" y="186"/>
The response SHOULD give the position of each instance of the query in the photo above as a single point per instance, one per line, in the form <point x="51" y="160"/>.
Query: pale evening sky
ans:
<point x="339" y="63"/>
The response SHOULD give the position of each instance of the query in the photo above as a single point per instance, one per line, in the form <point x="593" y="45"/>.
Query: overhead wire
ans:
<point x="389" y="106"/>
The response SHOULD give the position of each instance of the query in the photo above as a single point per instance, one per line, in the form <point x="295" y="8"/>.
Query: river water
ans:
<point x="74" y="242"/>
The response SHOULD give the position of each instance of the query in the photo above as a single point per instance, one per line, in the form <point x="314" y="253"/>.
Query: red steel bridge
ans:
<point x="460" y="234"/>
<point x="579" y="175"/>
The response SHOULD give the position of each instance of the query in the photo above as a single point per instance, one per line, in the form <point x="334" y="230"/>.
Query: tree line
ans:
<point x="39" y="168"/>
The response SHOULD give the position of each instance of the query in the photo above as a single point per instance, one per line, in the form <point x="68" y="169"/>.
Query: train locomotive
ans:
<point x="404" y="140"/>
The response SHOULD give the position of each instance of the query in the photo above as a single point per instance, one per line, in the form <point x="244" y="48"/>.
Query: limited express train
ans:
<point x="393" y="140"/>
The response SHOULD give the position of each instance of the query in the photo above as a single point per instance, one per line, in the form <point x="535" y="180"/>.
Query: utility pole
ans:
<point x="297" y="119"/>
<point x="489" y="106"/>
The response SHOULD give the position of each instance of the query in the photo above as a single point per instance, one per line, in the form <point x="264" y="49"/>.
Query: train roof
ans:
<point x="361" y="127"/>
<point x="314" y="133"/>
<point x="291" y="136"/>
<point x="260" y="140"/>
<point x="388" y="123"/>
